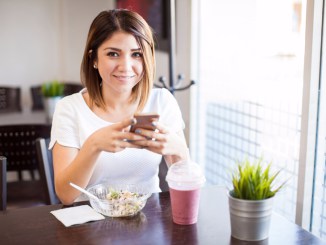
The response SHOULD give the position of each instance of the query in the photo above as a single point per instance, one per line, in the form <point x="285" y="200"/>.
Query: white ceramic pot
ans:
<point x="250" y="219"/>
<point x="49" y="106"/>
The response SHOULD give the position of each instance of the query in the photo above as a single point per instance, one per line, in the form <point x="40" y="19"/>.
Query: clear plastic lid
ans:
<point x="185" y="175"/>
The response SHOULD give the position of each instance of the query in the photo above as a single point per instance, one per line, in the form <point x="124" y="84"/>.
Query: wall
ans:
<point x="29" y="42"/>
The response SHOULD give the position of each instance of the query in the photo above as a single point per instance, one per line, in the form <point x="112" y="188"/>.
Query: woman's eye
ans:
<point x="113" y="54"/>
<point x="137" y="54"/>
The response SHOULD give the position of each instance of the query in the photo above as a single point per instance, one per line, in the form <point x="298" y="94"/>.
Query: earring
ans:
<point x="95" y="67"/>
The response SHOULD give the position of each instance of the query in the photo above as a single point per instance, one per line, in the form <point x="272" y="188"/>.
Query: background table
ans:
<point x="152" y="226"/>
<point x="24" y="117"/>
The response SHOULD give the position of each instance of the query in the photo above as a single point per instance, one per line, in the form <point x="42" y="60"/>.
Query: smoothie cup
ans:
<point x="185" y="180"/>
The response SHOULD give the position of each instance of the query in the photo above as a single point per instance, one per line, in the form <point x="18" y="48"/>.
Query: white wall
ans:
<point x="28" y="42"/>
<point x="41" y="40"/>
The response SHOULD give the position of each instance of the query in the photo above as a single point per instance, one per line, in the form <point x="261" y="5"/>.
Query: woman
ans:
<point x="90" y="131"/>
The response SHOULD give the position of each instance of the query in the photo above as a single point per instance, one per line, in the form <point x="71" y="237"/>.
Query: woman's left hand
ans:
<point x="163" y="142"/>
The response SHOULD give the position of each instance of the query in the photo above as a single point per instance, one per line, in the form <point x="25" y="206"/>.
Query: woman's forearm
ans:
<point x="77" y="168"/>
<point x="182" y="152"/>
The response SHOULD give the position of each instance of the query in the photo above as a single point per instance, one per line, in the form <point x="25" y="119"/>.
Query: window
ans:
<point x="250" y="88"/>
<point x="261" y="93"/>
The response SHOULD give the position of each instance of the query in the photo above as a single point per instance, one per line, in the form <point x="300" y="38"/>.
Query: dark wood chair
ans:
<point x="71" y="88"/>
<point x="10" y="99"/>
<point x="17" y="144"/>
<point x="3" y="183"/>
<point x="46" y="170"/>
<point x="37" y="98"/>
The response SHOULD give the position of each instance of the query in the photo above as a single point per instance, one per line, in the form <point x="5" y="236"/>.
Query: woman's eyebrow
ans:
<point x="117" y="49"/>
<point x="111" y="48"/>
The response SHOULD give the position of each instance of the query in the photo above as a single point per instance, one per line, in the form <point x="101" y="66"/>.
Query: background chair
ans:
<point x="37" y="97"/>
<point x="17" y="144"/>
<point x="10" y="100"/>
<point x="3" y="183"/>
<point x="46" y="170"/>
<point x="71" y="88"/>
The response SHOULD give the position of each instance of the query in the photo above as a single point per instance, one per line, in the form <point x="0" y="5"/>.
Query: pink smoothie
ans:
<point x="184" y="206"/>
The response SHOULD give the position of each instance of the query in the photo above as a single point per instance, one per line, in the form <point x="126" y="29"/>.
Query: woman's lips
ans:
<point x="124" y="78"/>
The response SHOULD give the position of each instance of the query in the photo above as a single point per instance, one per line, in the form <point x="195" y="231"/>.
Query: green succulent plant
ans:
<point x="52" y="89"/>
<point x="254" y="181"/>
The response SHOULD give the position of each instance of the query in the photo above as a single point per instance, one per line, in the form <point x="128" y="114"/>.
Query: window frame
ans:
<point x="310" y="99"/>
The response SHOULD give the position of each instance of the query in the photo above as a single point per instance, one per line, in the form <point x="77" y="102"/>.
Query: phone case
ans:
<point x="144" y="121"/>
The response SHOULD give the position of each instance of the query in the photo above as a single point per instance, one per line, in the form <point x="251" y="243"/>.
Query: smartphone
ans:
<point x="144" y="121"/>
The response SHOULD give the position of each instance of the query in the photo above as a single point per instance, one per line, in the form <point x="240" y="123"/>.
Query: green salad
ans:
<point x="124" y="203"/>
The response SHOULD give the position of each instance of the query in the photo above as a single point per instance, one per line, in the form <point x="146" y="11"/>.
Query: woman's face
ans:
<point x="120" y="62"/>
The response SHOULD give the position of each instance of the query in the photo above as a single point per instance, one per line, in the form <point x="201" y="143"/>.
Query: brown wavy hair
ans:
<point x="102" y="28"/>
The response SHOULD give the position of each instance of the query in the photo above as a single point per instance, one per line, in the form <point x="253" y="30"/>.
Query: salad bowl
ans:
<point x="118" y="200"/>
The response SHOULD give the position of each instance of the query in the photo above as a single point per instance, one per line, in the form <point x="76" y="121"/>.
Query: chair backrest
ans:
<point x="10" y="100"/>
<point x="3" y="183"/>
<point x="46" y="170"/>
<point x="17" y="143"/>
<point x="163" y="169"/>
<point x="37" y="97"/>
<point x="71" y="88"/>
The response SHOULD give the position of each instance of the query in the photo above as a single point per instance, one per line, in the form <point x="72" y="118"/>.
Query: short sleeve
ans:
<point x="64" y="127"/>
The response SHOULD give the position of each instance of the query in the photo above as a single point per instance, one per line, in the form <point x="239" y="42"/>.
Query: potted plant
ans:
<point x="52" y="92"/>
<point x="251" y="200"/>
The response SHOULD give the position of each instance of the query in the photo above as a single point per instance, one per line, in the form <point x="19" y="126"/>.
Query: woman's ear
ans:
<point x="91" y="56"/>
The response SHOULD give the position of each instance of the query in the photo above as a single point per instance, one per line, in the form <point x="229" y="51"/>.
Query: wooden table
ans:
<point x="152" y="226"/>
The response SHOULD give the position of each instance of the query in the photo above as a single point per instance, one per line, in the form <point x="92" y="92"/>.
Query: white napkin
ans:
<point x="76" y="215"/>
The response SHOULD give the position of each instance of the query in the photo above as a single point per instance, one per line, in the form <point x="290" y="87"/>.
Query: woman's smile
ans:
<point x="124" y="78"/>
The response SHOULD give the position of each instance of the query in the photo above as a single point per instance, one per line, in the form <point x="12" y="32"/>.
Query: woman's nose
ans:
<point x="125" y="63"/>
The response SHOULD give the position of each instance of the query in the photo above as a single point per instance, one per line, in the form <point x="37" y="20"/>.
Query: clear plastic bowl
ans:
<point x="129" y="206"/>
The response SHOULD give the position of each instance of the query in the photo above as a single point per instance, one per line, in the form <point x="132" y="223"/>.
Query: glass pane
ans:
<point x="250" y="88"/>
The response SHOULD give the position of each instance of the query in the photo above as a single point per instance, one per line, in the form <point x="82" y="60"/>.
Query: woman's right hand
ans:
<point x="116" y="137"/>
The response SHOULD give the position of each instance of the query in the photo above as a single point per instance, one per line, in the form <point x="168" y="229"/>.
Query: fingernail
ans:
<point x="137" y="131"/>
<point x="133" y="121"/>
<point x="154" y="123"/>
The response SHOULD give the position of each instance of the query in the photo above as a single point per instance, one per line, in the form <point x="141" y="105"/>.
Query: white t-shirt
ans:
<point x="73" y="122"/>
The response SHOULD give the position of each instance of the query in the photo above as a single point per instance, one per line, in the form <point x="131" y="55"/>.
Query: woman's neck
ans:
<point x="118" y="106"/>
<point x="117" y="101"/>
